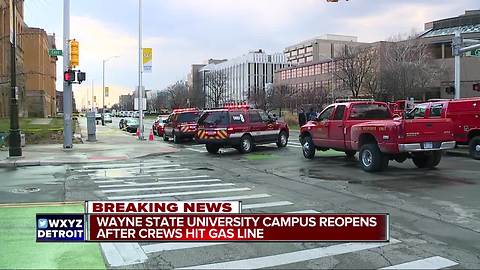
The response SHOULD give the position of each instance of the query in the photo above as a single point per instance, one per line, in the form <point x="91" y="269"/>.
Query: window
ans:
<point x="311" y="70"/>
<point x="436" y="110"/>
<point x="309" y="49"/>
<point x="419" y="111"/>
<point x="339" y="112"/>
<point x="188" y="117"/>
<point x="264" y="116"/>
<point x="369" y="112"/>
<point x="255" y="117"/>
<point x="326" y="114"/>
<point x="318" y="69"/>
<point x="309" y="58"/>
<point x="214" y="118"/>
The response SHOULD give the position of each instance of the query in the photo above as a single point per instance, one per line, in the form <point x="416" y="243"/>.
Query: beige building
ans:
<point x="324" y="47"/>
<point x="439" y="35"/>
<point x="5" y="49"/>
<point x="40" y="72"/>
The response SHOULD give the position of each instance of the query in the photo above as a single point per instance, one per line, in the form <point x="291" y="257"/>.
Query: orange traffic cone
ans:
<point x="138" y="133"/>
<point x="150" y="137"/>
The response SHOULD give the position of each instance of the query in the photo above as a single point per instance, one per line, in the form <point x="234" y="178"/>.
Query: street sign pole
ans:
<point x="140" y="58"/>
<point x="14" y="141"/>
<point x="458" y="49"/>
<point x="67" y="88"/>
<point x="457" y="66"/>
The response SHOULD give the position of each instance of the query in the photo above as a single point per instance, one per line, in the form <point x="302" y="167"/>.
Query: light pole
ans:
<point x="103" y="87"/>
<point x="140" y="58"/>
<point x="14" y="149"/>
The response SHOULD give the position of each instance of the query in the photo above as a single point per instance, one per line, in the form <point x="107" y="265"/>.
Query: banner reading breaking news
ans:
<point x="204" y="221"/>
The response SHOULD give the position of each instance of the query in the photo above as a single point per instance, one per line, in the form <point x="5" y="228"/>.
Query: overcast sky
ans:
<point x="183" y="32"/>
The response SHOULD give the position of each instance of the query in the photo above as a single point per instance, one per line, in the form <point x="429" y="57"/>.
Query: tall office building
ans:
<point x="246" y="76"/>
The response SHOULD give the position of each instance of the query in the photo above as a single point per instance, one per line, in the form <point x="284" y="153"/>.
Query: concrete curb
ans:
<point x="30" y="163"/>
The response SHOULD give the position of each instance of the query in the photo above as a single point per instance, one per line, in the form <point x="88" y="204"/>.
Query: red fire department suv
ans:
<point x="465" y="114"/>
<point x="181" y="124"/>
<point x="371" y="129"/>
<point x="239" y="127"/>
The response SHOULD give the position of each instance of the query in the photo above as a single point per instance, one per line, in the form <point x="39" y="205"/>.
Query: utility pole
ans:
<point x="140" y="58"/>
<point x="93" y="98"/>
<point x="67" y="87"/>
<point x="103" y="93"/>
<point x="458" y="48"/>
<point x="15" y="148"/>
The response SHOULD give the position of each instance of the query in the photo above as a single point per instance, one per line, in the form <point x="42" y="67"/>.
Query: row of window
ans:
<point x="312" y="70"/>
<point x="300" y="51"/>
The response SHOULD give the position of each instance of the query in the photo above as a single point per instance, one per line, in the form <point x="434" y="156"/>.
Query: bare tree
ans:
<point x="216" y="84"/>
<point x="178" y="95"/>
<point x="355" y="66"/>
<point x="408" y="67"/>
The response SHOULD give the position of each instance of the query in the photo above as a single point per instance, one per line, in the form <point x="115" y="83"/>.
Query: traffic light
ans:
<point x="81" y="76"/>
<point x="476" y="87"/>
<point x="69" y="76"/>
<point x="74" y="61"/>
<point x="450" y="90"/>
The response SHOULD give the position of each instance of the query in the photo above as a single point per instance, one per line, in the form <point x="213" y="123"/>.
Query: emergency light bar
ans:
<point x="185" y="110"/>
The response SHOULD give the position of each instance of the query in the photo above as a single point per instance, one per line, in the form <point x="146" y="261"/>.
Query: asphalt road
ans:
<point x="435" y="214"/>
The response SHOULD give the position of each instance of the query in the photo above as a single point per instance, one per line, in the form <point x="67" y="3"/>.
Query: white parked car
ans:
<point x="107" y="118"/>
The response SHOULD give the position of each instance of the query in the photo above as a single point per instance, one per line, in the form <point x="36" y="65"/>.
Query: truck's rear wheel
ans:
<point x="246" y="144"/>
<point x="176" y="139"/>
<point x="475" y="147"/>
<point x="427" y="159"/>
<point x="372" y="159"/>
<point x="308" y="147"/>
<point x="212" y="148"/>
<point x="165" y="137"/>
<point x="282" y="140"/>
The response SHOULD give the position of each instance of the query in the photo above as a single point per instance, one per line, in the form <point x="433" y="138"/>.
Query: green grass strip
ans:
<point x="18" y="248"/>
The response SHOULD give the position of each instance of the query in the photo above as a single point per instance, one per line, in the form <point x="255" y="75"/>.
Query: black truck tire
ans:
<point x="212" y="148"/>
<point x="308" y="148"/>
<point x="372" y="159"/>
<point x="427" y="159"/>
<point x="474" y="147"/>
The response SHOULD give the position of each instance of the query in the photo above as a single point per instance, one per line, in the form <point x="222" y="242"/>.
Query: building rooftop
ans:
<point x="465" y="23"/>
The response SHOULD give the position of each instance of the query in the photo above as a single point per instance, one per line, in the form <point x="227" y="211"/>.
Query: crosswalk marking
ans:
<point x="151" y="177"/>
<point x="159" y="183"/>
<point x="235" y="198"/>
<point x="183" y="193"/>
<point x="196" y="150"/>
<point x="165" y="188"/>
<point x="292" y="257"/>
<point x="123" y="254"/>
<point x="435" y="262"/>
<point x="263" y="205"/>
<point x="99" y="176"/>
<point x="121" y="165"/>
<point x="179" y="245"/>
<point x="132" y="168"/>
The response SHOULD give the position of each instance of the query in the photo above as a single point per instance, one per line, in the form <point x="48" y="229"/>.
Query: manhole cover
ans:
<point x="26" y="190"/>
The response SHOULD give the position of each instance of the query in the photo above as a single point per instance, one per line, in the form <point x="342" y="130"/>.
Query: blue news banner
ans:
<point x="60" y="227"/>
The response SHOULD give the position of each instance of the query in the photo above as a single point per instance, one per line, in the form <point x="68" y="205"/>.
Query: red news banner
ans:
<point x="238" y="227"/>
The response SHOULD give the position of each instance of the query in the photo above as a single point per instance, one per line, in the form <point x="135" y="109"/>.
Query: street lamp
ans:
<point x="103" y="87"/>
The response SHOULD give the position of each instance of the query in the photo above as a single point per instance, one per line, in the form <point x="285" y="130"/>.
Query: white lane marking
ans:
<point x="235" y="198"/>
<point x="294" y="143"/>
<point x="146" y="196"/>
<point x="123" y="254"/>
<point x="145" y="174"/>
<point x="264" y="205"/>
<point x="292" y="257"/>
<point x="152" y="177"/>
<point x="159" y="183"/>
<point x="196" y="150"/>
<point x="435" y="262"/>
<point x="165" y="188"/>
<point x="186" y="245"/>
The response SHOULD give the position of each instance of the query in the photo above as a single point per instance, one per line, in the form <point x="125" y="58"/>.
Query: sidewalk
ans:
<point x="112" y="144"/>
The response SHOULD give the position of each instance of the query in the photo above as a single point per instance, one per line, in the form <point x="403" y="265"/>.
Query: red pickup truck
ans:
<point x="465" y="114"/>
<point x="371" y="129"/>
